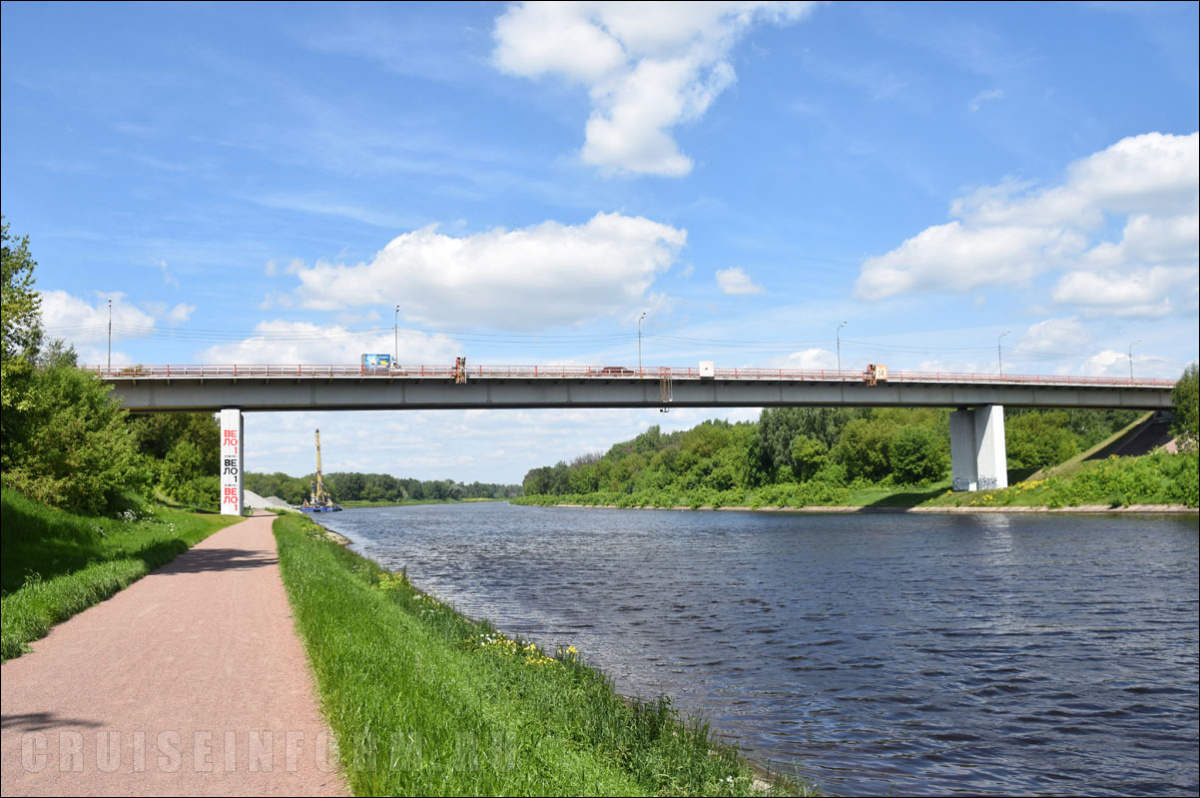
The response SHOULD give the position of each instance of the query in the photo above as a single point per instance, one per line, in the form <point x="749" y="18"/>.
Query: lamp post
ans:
<point x="640" y="319"/>
<point x="839" y="348"/>
<point x="110" y="335"/>
<point x="1131" y="346"/>
<point x="396" y="335"/>
<point x="999" y="354"/>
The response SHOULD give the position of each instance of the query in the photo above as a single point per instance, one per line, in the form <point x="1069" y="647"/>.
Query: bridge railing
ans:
<point x="497" y="372"/>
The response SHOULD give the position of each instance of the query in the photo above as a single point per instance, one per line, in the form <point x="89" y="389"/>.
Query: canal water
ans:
<point x="872" y="654"/>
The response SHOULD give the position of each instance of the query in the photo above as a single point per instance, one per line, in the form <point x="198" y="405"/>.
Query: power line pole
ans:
<point x="109" y="335"/>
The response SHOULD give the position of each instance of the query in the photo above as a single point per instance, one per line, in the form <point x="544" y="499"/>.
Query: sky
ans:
<point x="519" y="183"/>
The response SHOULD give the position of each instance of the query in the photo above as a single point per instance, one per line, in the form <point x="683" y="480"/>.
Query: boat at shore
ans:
<point x="324" y="508"/>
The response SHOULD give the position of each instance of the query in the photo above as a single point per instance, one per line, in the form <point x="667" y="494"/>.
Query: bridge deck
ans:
<point x="158" y="388"/>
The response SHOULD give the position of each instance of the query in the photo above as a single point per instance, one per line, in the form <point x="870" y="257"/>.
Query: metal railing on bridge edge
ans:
<point x="343" y="371"/>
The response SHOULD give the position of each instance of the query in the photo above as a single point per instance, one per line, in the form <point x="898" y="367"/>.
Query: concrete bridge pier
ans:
<point x="978" y="457"/>
<point x="232" y="496"/>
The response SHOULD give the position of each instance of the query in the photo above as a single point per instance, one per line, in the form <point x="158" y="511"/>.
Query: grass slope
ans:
<point x="54" y="564"/>
<point x="426" y="702"/>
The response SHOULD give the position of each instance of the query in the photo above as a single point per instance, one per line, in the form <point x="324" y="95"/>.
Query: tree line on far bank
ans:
<point x="819" y="454"/>
<point x="355" y="486"/>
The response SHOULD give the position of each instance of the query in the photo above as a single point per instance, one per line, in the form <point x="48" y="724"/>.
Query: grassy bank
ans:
<point x="1158" y="478"/>
<point x="426" y="702"/>
<point x="54" y="564"/>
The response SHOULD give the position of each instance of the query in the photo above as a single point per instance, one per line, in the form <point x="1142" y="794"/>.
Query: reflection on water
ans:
<point x="874" y="654"/>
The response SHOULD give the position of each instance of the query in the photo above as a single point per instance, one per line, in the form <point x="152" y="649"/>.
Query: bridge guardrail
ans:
<point x="343" y="371"/>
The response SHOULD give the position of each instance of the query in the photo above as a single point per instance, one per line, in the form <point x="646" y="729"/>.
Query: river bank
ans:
<point x="424" y="700"/>
<point x="359" y="503"/>
<point x="1086" y="509"/>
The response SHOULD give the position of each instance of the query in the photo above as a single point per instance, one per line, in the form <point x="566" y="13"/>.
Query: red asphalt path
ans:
<point x="191" y="681"/>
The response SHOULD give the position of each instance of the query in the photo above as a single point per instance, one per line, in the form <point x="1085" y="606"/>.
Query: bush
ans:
<point x="78" y="452"/>
<point x="1186" y="397"/>
<point x="917" y="455"/>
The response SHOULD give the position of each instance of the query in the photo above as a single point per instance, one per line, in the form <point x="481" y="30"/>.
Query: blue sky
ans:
<point x="266" y="183"/>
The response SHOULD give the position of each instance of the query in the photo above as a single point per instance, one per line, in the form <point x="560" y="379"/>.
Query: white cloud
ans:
<point x="1146" y="187"/>
<point x="735" y="281"/>
<point x="77" y="320"/>
<point x="547" y="274"/>
<point x="960" y="257"/>
<point x="180" y="313"/>
<point x="1144" y="292"/>
<point x="168" y="278"/>
<point x="1066" y="335"/>
<point x="808" y="360"/>
<point x="647" y="66"/>
<point x="1108" y="363"/>
<point x="302" y="342"/>
<point x="175" y="315"/>
<point x="984" y="96"/>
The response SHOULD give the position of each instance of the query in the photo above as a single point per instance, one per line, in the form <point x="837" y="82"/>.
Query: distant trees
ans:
<point x="355" y="486"/>
<point x="810" y="452"/>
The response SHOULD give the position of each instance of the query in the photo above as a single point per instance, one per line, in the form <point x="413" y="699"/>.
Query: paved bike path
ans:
<point x="191" y="681"/>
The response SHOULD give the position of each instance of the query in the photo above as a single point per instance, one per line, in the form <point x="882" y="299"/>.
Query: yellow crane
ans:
<point x="320" y="499"/>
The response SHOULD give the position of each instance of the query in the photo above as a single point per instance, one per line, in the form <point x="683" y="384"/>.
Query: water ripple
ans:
<point x="873" y="654"/>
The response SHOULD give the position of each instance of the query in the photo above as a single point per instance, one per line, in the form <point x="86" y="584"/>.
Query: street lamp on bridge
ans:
<point x="1131" y="346"/>
<point x="640" y="320"/>
<point x="999" y="354"/>
<point x="839" y="347"/>
<point x="396" y="335"/>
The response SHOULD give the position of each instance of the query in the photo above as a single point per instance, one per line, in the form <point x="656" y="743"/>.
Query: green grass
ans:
<point x="1074" y="465"/>
<point x="426" y="702"/>
<point x="1158" y="478"/>
<point x="54" y="564"/>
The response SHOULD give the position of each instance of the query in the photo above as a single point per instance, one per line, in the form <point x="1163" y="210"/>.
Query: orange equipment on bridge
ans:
<point x="875" y="373"/>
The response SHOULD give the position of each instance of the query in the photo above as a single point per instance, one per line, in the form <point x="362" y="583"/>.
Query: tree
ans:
<point x="808" y="457"/>
<point x="917" y="455"/>
<point x="20" y="339"/>
<point x="863" y="448"/>
<point x="1185" y="396"/>
<point x="1039" y="440"/>
<point x="20" y="322"/>
<point x="78" y="451"/>
<point x="184" y="453"/>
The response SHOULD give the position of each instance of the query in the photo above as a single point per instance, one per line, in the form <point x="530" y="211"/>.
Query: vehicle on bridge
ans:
<point x="377" y="362"/>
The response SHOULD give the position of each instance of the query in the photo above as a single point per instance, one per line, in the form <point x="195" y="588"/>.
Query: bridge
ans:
<point x="976" y="426"/>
